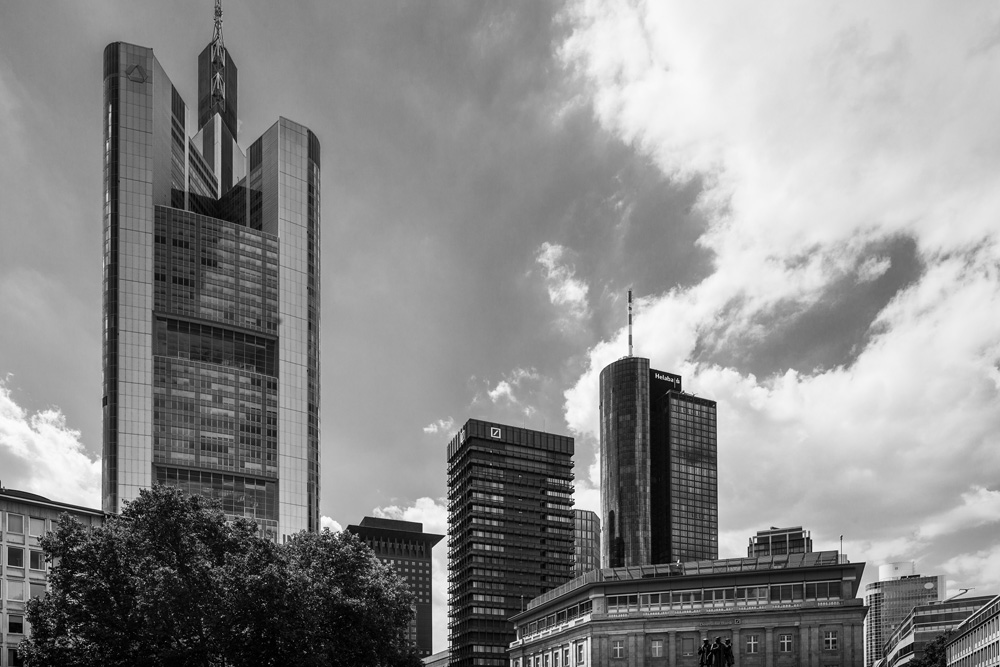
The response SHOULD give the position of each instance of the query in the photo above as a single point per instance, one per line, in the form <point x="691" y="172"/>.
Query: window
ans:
<point x="687" y="645"/>
<point x="15" y="557"/>
<point x="37" y="589"/>
<point x="753" y="643"/>
<point x="15" y="590"/>
<point x="15" y="624"/>
<point x="36" y="527"/>
<point x="785" y="643"/>
<point x="618" y="648"/>
<point x="830" y="640"/>
<point x="15" y="524"/>
<point x="580" y="650"/>
<point x="566" y="657"/>
<point x="656" y="648"/>
<point x="13" y="659"/>
<point x="36" y="560"/>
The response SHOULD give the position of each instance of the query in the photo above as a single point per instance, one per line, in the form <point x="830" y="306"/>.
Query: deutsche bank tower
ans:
<point x="659" y="472"/>
<point x="211" y="295"/>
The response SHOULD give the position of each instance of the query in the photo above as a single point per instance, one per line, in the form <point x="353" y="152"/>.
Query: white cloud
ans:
<point x="517" y="380"/>
<point x="815" y="131"/>
<point x="40" y="453"/>
<point x="979" y="507"/>
<point x="565" y="289"/>
<point x="327" y="523"/>
<point x="440" y="426"/>
<point x="433" y="514"/>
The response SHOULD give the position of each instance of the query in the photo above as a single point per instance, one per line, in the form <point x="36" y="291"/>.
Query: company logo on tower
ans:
<point x="495" y="432"/>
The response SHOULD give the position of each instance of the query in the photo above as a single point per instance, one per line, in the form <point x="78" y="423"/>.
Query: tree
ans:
<point x="171" y="581"/>
<point x="935" y="653"/>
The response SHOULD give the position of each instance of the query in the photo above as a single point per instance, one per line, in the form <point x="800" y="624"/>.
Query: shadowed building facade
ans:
<point x="586" y="541"/>
<point x="659" y="471"/>
<point x="510" y="532"/>
<point x="211" y="296"/>
<point x="407" y="548"/>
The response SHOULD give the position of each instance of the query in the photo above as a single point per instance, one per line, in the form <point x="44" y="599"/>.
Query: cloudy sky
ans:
<point x="804" y="196"/>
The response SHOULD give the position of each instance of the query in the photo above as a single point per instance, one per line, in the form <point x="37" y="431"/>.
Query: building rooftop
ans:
<point x="34" y="498"/>
<point x="698" y="567"/>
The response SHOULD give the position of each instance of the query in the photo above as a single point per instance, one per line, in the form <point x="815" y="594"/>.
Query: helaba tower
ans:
<point x="211" y="295"/>
<point x="659" y="467"/>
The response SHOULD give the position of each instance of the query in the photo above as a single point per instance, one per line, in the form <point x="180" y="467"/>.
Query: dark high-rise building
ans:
<point x="510" y="532"/>
<point x="659" y="487"/>
<point x="586" y="542"/>
<point x="407" y="548"/>
<point x="779" y="541"/>
<point x="211" y="296"/>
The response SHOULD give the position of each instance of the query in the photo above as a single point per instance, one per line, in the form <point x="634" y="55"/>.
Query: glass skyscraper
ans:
<point x="510" y="532"/>
<point x="586" y="542"/>
<point x="659" y="470"/>
<point x="891" y="599"/>
<point x="211" y="296"/>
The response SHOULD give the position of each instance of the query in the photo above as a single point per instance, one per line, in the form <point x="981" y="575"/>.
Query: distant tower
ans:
<point x="407" y="548"/>
<point x="211" y="296"/>
<point x="780" y="541"/>
<point x="586" y="542"/>
<point x="510" y="532"/>
<point x="659" y="474"/>
<point x="891" y="598"/>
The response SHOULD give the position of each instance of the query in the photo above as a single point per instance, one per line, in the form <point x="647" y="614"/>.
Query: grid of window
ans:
<point x="617" y="648"/>
<point x="753" y="643"/>
<point x="255" y="499"/>
<point x="694" y="505"/>
<point x="730" y="596"/>
<point x="830" y="640"/>
<point x="785" y="643"/>
<point x="656" y="648"/>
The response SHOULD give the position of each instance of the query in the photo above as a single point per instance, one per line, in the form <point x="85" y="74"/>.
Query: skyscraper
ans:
<point x="211" y="296"/>
<point x="407" y="548"/>
<point x="510" y="532"/>
<point x="659" y="487"/>
<point x="586" y="542"/>
<point x="890" y="599"/>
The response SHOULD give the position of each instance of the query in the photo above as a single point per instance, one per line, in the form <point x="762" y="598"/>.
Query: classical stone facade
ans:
<point x="798" y="610"/>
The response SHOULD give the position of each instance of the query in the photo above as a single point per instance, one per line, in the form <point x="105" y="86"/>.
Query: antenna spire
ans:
<point x="218" y="61"/>
<point x="630" y="323"/>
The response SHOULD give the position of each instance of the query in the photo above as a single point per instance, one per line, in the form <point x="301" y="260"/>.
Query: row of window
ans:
<point x="558" y="657"/>
<point x="16" y="525"/>
<point x="740" y="595"/>
<point x="15" y="558"/>
<point x="19" y="590"/>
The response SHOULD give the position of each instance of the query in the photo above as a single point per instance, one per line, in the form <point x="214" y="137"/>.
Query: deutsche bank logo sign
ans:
<point x="495" y="432"/>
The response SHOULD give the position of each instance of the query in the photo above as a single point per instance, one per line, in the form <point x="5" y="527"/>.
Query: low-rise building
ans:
<point x="976" y="642"/>
<point x="796" y="610"/>
<point x="922" y="625"/>
<point x="24" y="520"/>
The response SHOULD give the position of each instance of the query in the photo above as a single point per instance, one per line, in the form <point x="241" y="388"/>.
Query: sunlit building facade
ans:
<point x="211" y="296"/>
<point x="510" y="532"/>
<point x="976" y="642"/>
<point x="659" y="468"/>
<point x="891" y="599"/>
<point x="923" y="625"/>
<point x="799" y="610"/>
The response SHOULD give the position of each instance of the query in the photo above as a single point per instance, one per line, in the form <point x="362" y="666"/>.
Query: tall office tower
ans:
<point x="778" y="541"/>
<point x="659" y="488"/>
<point x="211" y="296"/>
<point x="586" y="542"/>
<point x="510" y="532"/>
<point x="407" y="548"/>
<point x="890" y="599"/>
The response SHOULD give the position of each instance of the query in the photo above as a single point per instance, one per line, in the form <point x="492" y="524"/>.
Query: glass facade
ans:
<point x="586" y="542"/>
<point x="510" y="532"/>
<point x="659" y="468"/>
<point x="211" y="305"/>
<point x="889" y="602"/>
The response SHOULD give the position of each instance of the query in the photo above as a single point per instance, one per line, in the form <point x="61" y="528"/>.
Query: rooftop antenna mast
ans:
<point x="630" y="323"/>
<point x="218" y="62"/>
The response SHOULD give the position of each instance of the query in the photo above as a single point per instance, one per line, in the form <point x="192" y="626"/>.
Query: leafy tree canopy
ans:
<point x="171" y="581"/>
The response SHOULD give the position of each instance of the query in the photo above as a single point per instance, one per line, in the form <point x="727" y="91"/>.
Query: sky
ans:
<point x="803" y="196"/>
